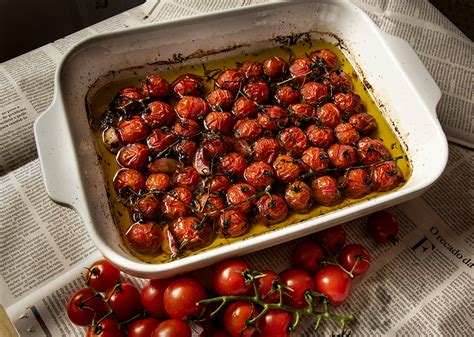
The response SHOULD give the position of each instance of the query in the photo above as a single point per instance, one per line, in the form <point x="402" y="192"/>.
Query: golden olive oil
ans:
<point x="99" y="102"/>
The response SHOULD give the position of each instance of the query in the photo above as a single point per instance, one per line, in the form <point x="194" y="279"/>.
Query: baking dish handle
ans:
<point x="56" y="155"/>
<point x="414" y="69"/>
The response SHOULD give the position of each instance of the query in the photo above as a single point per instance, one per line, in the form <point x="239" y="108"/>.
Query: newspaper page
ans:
<point x="411" y="286"/>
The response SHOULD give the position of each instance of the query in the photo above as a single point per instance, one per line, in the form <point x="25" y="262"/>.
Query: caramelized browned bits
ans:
<point x="298" y="196"/>
<point x="133" y="130"/>
<point x="145" y="238"/>
<point x="326" y="191"/>
<point x="271" y="209"/>
<point x="232" y="223"/>
<point x="370" y="150"/>
<point x="156" y="86"/>
<point x="159" y="114"/>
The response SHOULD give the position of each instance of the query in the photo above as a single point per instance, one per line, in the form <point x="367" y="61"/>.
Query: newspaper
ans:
<point x="422" y="286"/>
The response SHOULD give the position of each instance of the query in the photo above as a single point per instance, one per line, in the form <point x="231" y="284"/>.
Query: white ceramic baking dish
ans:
<point x="66" y="148"/>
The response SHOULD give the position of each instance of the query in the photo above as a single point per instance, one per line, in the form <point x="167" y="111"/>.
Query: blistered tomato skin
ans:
<point x="145" y="237"/>
<point x="287" y="95"/>
<point x="185" y="150"/>
<point x="266" y="149"/>
<point x="176" y="203"/>
<point x="329" y="115"/>
<point x="191" y="232"/>
<point x="129" y="180"/>
<point x="272" y="209"/>
<point x="326" y="191"/>
<point x="301" y="70"/>
<point x="232" y="223"/>
<point x="160" y="140"/>
<point x="242" y="197"/>
<point x="349" y="102"/>
<point x="386" y="176"/>
<point x="356" y="183"/>
<point x="298" y="196"/>
<point x="300" y="113"/>
<point x="321" y="137"/>
<point x="293" y="140"/>
<point x="231" y="80"/>
<point x="186" y="128"/>
<point x="244" y="108"/>
<point x="257" y="91"/>
<point x="215" y="146"/>
<point x="251" y="69"/>
<point x="328" y="58"/>
<point x="234" y="164"/>
<point x="147" y="208"/>
<point x="158" y="182"/>
<point x="275" y="67"/>
<point x="338" y="80"/>
<point x="129" y="99"/>
<point x="133" y="156"/>
<point x="363" y="122"/>
<point x="346" y="134"/>
<point x="259" y="174"/>
<point x="186" y="177"/>
<point x="273" y="118"/>
<point x="156" y="86"/>
<point x="192" y="107"/>
<point x="342" y="156"/>
<point x="314" y="159"/>
<point x="370" y="151"/>
<point x="313" y="93"/>
<point x="219" y="121"/>
<point x="187" y="85"/>
<point x="248" y="129"/>
<point x="220" y="99"/>
<point x="211" y="206"/>
<point x="286" y="168"/>
<point x="217" y="184"/>
<point x="133" y="130"/>
<point x="159" y="114"/>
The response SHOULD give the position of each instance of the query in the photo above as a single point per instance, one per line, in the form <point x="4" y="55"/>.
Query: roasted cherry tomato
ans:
<point x="191" y="107"/>
<point x="191" y="232"/>
<point x="216" y="184"/>
<point x="182" y="296"/>
<point x="275" y="68"/>
<point x="356" y="183"/>
<point x="314" y="93"/>
<point x="232" y="223"/>
<point x="257" y="91"/>
<point x="234" y="164"/>
<point x="327" y="57"/>
<point x="186" y="128"/>
<point x="133" y="130"/>
<point x="298" y="196"/>
<point x="273" y="118"/>
<point x="342" y="156"/>
<point x="156" y="86"/>
<point x="215" y="146"/>
<point x="287" y="95"/>
<point x="147" y="207"/>
<point x="244" y="108"/>
<point x="211" y="205"/>
<point x="286" y="168"/>
<point x="333" y="282"/>
<point x="220" y="99"/>
<point x="307" y="255"/>
<point x="219" y="121"/>
<point x="363" y="122"/>
<point x="230" y="79"/>
<point x="321" y="137"/>
<point x="158" y="182"/>
<point x="370" y="151"/>
<point x="145" y="238"/>
<point x="346" y="134"/>
<point x="160" y="141"/>
<point x="301" y="112"/>
<point x="272" y="209"/>
<point x="163" y="165"/>
<point x="386" y="176"/>
<point x="186" y="177"/>
<point x="158" y="114"/>
<point x="338" y="80"/>
<point x="301" y="70"/>
<point x="187" y="85"/>
<point x="129" y="180"/>
<point x="259" y="174"/>
<point x="383" y="226"/>
<point x="134" y="156"/>
<point x="251" y="69"/>
<point x="266" y="149"/>
<point x="326" y="191"/>
<point x="177" y="202"/>
<point x="186" y="150"/>
<point x="241" y="196"/>
<point x="293" y="140"/>
<point x="350" y="103"/>
<point x="314" y="158"/>
<point x="248" y="129"/>
<point x="329" y="115"/>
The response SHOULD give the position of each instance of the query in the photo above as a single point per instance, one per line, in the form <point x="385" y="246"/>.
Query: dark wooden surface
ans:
<point x="460" y="12"/>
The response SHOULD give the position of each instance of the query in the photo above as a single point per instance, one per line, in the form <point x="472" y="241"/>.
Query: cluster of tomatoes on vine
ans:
<point x="239" y="302"/>
<point x="270" y="138"/>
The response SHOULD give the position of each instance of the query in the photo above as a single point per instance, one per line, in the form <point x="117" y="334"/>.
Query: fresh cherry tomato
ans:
<point x="84" y="307"/>
<point x="181" y="298"/>
<point x="275" y="323"/>
<point x="151" y="297"/>
<point x="172" y="328"/>
<point x="354" y="258"/>
<point x="236" y="316"/>
<point x="297" y="282"/>
<point x="102" y="275"/>
<point x="307" y="255"/>
<point x="265" y="286"/>
<point x="109" y="327"/>
<point x="383" y="226"/>
<point x="333" y="282"/>
<point x="143" y="327"/>
<point x="228" y="278"/>
<point x="124" y="300"/>
<point x="332" y="239"/>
